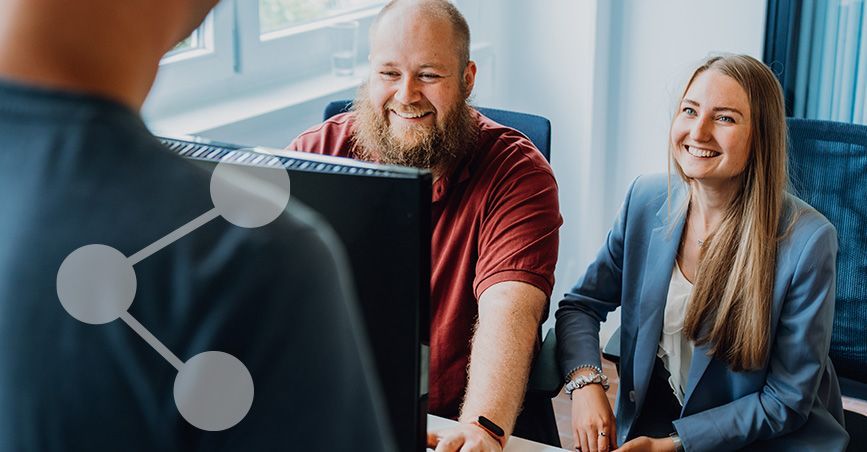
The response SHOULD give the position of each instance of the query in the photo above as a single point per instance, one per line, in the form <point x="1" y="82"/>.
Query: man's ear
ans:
<point x="470" y="77"/>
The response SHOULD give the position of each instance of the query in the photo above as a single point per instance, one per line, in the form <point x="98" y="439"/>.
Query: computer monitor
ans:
<point x="381" y="214"/>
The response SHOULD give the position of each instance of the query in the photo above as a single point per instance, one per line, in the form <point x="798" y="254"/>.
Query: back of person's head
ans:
<point x="730" y="306"/>
<point x="106" y="47"/>
<point x="432" y="9"/>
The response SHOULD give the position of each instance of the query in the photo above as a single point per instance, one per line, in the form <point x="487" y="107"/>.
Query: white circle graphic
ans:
<point x="213" y="391"/>
<point x="249" y="196"/>
<point x="96" y="284"/>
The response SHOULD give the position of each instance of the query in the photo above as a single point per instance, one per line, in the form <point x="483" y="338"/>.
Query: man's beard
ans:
<point x="421" y="146"/>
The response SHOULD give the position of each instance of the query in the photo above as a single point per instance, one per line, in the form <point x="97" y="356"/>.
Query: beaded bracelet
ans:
<point x="592" y="367"/>
<point x="597" y="377"/>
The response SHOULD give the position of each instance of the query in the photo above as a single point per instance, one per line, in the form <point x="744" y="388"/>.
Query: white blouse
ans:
<point x="675" y="349"/>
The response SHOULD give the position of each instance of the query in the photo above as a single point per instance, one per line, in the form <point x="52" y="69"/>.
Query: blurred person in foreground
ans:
<point x="79" y="167"/>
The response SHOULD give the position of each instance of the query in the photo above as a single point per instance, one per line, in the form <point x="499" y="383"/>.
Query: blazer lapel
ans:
<point x="658" y="265"/>
<point x="700" y="360"/>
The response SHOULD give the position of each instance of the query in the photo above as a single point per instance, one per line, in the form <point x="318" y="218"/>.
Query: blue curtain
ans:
<point x="831" y="63"/>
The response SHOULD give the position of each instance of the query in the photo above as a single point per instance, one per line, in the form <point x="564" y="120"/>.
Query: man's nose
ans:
<point x="408" y="92"/>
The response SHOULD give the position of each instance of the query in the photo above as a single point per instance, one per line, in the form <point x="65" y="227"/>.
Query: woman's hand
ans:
<point x="593" y="425"/>
<point x="646" y="444"/>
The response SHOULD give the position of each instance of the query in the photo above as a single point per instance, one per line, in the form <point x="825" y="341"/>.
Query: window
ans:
<point x="196" y="44"/>
<point x="280" y="15"/>
<point x="819" y="51"/>
<point x="191" y="42"/>
<point x="247" y="46"/>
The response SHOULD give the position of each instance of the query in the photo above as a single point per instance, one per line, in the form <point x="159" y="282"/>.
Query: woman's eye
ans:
<point x="726" y="119"/>
<point x="689" y="110"/>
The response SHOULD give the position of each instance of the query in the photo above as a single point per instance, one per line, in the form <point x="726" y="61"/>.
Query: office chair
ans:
<point x="545" y="377"/>
<point x="828" y="167"/>
<point x="536" y="128"/>
<point x="828" y="170"/>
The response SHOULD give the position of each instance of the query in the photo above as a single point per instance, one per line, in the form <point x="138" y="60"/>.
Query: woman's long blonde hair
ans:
<point x="730" y="306"/>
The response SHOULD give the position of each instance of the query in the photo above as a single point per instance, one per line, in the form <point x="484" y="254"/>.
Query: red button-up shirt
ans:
<point x="495" y="218"/>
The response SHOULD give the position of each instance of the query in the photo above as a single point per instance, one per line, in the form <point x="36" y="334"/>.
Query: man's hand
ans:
<point x="593" y="425"/>
<point x="644" y="443"/>
<point x="463" y="438"/>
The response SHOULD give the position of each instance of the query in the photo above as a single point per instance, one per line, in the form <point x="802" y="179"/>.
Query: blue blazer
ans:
<point x="791" y="403"/>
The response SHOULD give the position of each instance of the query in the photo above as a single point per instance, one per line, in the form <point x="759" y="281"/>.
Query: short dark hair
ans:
<point x="443" y="9"/>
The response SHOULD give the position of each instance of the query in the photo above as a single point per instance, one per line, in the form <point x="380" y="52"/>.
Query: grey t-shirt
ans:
<point x="78" y="170"/>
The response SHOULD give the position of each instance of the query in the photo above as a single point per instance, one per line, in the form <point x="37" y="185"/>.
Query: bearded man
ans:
<point x="494" y="210"/>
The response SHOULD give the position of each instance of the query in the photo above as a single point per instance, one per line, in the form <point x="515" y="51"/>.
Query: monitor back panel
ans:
<point x="382" y="216"/>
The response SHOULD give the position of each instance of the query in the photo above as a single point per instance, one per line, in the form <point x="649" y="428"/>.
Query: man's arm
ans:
<point x="509" y="316"/>
<point x="506" y="333"/>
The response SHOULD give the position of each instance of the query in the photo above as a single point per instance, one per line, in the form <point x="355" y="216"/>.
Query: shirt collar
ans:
<point x="463" y="169"/>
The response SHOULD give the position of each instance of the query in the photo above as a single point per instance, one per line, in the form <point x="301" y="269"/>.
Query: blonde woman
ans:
<point x="726" y="284"/>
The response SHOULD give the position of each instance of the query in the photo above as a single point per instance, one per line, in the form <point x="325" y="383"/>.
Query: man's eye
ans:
<point x="429" y="76"/>
<point x="389" y="74"/>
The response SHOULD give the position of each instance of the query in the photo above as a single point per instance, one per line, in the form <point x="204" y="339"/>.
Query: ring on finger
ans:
<point x="602" y="434"/>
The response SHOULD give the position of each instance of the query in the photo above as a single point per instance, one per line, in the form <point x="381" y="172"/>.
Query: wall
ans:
<point x="545" y="64"/>
<point x="655" y="46"/>
<point x="605" y="73"/>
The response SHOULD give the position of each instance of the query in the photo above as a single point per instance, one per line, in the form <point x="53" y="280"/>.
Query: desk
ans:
<point x="515" y="444"/>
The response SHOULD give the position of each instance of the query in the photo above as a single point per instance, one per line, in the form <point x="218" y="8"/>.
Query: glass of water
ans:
<point x="344" y="47"/>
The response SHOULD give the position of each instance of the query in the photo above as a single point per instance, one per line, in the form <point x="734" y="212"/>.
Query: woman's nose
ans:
<point x="700" y="130"/>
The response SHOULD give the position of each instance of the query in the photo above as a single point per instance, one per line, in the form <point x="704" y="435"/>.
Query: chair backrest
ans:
<point x="534" y="127"/>
<point x="828" y="166"/>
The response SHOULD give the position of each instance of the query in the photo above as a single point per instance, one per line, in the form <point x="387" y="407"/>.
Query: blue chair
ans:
<point x="536" y="128"/>
<point x="545" y="377"/>
<point x="828" y="166"/>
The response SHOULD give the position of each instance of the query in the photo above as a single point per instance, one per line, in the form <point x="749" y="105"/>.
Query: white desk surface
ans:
<point x="515" y="444"/>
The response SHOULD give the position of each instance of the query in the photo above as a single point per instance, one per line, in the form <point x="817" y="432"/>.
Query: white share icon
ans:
<point x="96" y="284"/>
